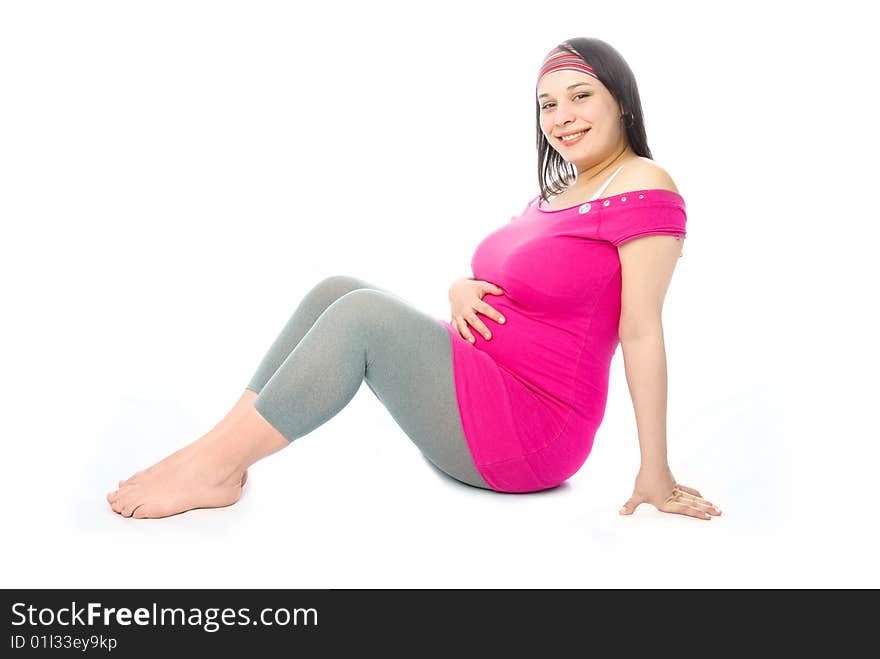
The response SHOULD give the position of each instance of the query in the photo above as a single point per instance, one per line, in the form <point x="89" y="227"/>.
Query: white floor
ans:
<point x="355" y="505"/>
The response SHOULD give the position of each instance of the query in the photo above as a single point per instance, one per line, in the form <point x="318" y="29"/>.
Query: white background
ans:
<point x="175" y="176"/>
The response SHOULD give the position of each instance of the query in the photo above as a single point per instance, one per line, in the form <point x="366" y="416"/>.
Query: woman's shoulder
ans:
<point x="641" y="174"/>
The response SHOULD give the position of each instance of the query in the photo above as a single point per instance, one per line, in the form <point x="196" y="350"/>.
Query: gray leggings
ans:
<point x="345" y="331"/>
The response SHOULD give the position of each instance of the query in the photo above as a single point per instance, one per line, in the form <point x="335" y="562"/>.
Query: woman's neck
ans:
<point x="589" y="176"/>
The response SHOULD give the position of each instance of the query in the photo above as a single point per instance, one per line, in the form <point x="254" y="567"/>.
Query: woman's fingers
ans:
<point x="689" y="490"/>
<point x="490" y="312"/>
<point x="692" y="500"/>
<point x="700" y="505"/>
<point x="464" y="323"/>
<point x="463" y="329"/>
<point x="674" y="506"/>
<point x="478" y="324"/>
<point x="630" y="506"/>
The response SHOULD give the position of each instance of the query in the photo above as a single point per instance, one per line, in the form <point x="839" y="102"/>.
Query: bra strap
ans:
<point x="605" y="185"/>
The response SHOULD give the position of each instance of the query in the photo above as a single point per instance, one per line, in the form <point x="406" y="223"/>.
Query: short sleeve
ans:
<point x="619" y="225"/>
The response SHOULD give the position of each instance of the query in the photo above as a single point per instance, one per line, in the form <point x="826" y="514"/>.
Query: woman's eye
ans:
<point x="577" y="96"/>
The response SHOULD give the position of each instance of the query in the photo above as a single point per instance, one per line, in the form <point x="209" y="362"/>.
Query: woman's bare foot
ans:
<point x="203" y="480"/>
<point x="247" y="399"/>
<point x="209" y="473"/>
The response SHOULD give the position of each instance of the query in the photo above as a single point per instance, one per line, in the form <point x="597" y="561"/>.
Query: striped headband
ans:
<point x="560" y="58"/>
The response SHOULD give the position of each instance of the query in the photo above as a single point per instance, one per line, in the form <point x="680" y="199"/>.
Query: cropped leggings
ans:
<point x="345" y="331"/>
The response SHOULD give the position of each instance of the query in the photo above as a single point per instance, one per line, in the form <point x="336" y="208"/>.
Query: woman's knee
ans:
<point x="342" y="284"/>
<point x="380" y="317"/>
<point x="330" y="289"/>
<point x="366" y="304"/>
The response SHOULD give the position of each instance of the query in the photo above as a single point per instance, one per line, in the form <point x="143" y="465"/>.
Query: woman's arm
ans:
<point x="644" y="359"/>
<point x="647" y="265"/>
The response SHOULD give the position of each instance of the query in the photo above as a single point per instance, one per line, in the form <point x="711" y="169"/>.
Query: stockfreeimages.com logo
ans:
<point x="209" y="619"/>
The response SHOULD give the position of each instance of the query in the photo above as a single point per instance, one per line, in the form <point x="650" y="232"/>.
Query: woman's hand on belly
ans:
<point x="466" y="300"/>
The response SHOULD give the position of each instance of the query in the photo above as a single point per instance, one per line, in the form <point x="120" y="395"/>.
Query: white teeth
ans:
<point x="568" y="138"/>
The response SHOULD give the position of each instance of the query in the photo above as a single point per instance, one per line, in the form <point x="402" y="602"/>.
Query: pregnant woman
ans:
<point x="509" y="395"/>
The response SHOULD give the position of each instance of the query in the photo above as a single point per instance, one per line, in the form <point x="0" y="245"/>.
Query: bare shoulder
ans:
<point x="643" y="174"/>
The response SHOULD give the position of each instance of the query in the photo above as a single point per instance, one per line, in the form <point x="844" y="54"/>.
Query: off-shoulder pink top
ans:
<point x="532" y="397"/>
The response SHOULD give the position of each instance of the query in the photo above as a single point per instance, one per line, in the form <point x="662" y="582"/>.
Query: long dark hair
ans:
<point x="554" y="173"/>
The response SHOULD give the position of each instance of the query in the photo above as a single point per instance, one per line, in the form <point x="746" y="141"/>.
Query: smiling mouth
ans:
<point x="574" y="138"/>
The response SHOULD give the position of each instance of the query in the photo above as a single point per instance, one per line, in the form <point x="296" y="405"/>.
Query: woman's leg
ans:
<point x="316" y="301"/>
<point x="321" y="296"/>
<point x="405" y="357"/>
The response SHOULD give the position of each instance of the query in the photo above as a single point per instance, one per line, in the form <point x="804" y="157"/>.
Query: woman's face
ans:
<point x="572" y="101"/>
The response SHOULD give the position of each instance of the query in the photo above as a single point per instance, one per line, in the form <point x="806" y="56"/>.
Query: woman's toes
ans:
<point x="129" y="507"/>
<point x="123" y="497"/>
<point x="151" y="510"/>
<point x="111" y="496"/>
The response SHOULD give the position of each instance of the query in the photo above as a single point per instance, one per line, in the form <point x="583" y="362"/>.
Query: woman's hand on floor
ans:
<point x="658" y="487"/>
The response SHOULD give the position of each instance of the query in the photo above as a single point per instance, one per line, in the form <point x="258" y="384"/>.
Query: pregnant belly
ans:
<point x="539" y="354"/>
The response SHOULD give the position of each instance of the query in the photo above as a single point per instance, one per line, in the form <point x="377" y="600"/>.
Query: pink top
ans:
<point x="532" y="397"/>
